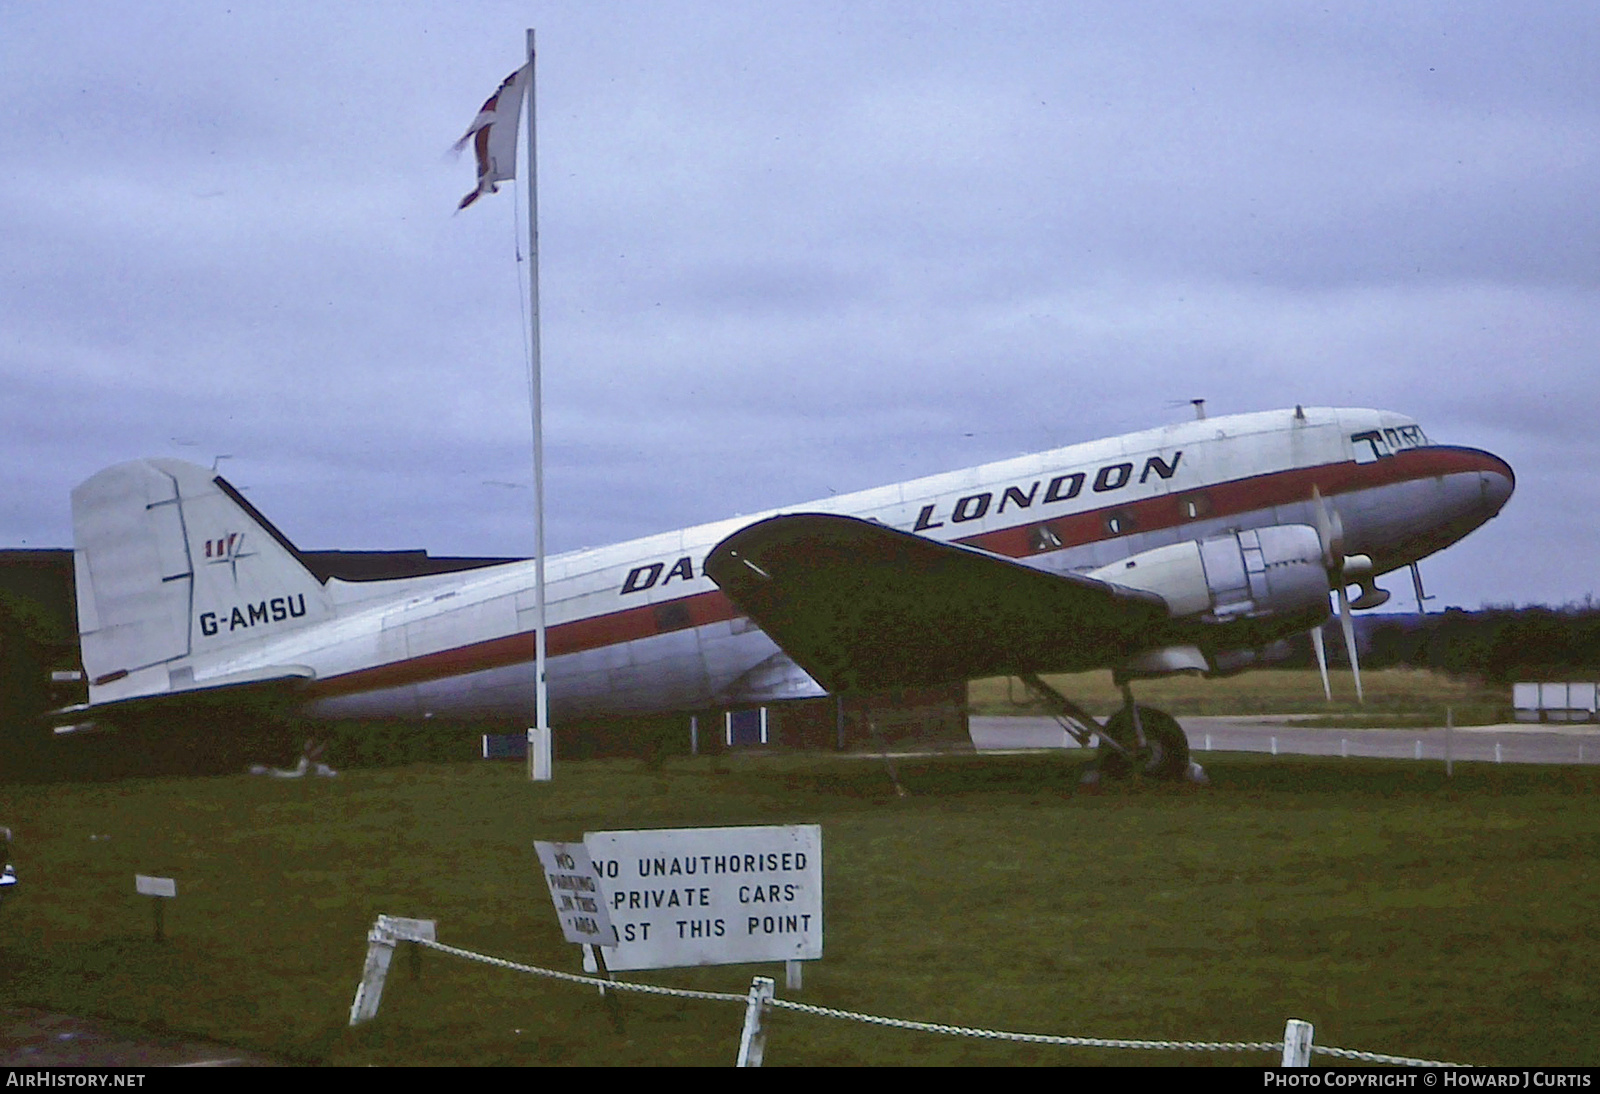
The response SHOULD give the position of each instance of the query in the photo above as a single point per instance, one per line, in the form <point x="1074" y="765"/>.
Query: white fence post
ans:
<point x="381" y="940"/>
<point x="753" y="1042"/>
<point x="369" y="993"/>
<point x="1297" y="1043"/>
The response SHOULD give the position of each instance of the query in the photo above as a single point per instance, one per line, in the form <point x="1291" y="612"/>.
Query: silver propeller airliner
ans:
<point x="1188" y="548"/>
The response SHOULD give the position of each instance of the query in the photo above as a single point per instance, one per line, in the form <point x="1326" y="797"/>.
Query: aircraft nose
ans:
<point x="1496" y="481"/>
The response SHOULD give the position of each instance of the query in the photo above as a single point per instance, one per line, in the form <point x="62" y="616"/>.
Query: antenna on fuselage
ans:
<point x="1199" y="409"/>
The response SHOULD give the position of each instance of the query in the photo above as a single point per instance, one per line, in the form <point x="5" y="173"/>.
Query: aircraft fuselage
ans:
<point x="638" y="627"/>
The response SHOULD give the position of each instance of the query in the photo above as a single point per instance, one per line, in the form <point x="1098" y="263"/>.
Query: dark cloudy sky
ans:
<point x="789" y="249"/>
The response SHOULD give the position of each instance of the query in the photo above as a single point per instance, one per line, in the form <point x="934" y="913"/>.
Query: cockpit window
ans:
<point x="1370" y="446"/>
<point x="1375" y="444"/>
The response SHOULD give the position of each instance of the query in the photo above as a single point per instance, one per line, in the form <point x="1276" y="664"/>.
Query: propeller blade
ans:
<point x="1330" y="532"/>
<point x="1348" y="626"/>
<point x="1322" y="660"/>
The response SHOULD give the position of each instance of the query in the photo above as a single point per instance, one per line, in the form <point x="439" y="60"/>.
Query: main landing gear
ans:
<point x="1135" y="739"/>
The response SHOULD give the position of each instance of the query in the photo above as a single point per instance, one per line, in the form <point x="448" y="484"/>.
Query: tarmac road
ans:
<point x="1514" y="743"/>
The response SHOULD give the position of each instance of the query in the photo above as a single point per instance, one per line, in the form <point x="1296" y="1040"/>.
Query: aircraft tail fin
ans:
<point x="172" y="567"/>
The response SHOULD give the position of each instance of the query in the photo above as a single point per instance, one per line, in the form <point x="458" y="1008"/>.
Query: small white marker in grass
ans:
<point x="161" y="888"/>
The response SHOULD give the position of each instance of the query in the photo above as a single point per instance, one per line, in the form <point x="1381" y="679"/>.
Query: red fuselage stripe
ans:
<point x="1170" y="510"/>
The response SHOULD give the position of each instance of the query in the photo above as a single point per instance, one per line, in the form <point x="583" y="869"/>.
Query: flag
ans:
<point x="493" y="134"/>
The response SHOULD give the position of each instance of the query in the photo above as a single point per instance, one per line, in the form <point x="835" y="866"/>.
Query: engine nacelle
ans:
<point x="1238" y="575"/>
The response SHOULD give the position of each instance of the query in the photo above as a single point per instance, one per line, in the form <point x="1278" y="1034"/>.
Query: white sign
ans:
<point x="575" y="891"/>
<point x="711" y="896"/>
<point x="155" y="886"/>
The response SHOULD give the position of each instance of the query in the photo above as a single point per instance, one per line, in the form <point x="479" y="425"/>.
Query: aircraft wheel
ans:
<point x="1166" y="751"/>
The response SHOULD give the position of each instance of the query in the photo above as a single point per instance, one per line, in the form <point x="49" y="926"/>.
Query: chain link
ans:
<point x="924" y="1027"/>
<point x="1031" y="1038"/>
<point x="1380" y="1058"/>
<point x="574" y="978"/>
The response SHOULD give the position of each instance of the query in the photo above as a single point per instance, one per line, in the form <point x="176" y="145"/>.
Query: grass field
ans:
<point x="1394" y="697"/>
<point x="1397" y="911"/>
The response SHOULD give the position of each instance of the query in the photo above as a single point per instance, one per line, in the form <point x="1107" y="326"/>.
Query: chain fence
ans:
<point x="387" y="932"/>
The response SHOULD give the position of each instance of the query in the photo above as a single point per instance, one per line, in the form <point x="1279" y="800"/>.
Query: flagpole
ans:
<point x="539" y="744"/>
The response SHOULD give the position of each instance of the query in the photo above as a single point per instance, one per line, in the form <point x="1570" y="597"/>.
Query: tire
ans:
<point x="1166" y="751"/>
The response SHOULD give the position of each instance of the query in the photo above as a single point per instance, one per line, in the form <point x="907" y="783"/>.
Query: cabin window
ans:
<point x="1119" y="523"/>
<point x="1195" y="506"/>
<point x="1042" y="537"/>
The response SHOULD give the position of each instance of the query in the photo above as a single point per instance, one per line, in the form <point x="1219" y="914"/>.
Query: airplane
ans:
<point x="1194" y="547"/>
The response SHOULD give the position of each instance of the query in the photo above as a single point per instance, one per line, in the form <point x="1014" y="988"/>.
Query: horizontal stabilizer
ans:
<point x="863" y="607"/>
<point x="258" y="689"/>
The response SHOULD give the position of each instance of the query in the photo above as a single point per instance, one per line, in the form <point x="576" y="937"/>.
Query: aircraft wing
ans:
<point x="863" y="607"/>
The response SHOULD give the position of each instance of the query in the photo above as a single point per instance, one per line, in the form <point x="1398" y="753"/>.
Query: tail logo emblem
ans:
<point x="228" y="550"/>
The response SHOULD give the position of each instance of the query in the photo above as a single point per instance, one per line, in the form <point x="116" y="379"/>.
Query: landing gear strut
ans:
<point x="1134" y="739"/>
